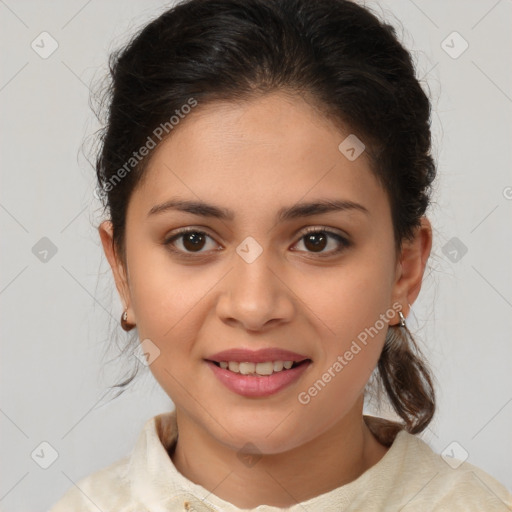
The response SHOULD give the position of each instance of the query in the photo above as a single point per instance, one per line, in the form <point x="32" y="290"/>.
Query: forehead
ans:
<point x="262" y="154"/>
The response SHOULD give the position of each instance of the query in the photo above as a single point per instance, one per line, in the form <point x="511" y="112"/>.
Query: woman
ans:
<point x="266" y="168"/>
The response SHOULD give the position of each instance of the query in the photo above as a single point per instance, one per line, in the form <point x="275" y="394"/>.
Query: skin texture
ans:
<point x="255" y="158"/>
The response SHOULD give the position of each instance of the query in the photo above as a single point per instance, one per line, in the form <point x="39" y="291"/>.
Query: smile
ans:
<point x="258" y="379"/>
<point x="266" y="368"/>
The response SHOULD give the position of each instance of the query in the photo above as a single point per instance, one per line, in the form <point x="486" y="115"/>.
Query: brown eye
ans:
<point x="316" y="240"/>
<point x="191" y="241"/>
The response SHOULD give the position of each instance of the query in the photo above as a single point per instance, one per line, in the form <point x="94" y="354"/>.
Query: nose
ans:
<point x="255" y="295"/>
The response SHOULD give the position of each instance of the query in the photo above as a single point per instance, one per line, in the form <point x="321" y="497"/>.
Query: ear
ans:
<point x="120" y="274"/>
<point x="411" y="266"/>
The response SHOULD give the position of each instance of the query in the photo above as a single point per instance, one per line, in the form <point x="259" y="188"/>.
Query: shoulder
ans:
<point x="437" y="483"/>
<point x="119" y="485"/>
<point x="412" y="476"/>
<point x="105" y="489"/>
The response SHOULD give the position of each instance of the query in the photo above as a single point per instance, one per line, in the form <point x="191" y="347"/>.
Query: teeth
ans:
<point x="278" y="366"/>
<point x="246" y="368"/>
<point x="266" y="368"/>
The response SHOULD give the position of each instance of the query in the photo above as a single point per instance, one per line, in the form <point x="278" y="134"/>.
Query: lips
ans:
<point x="252" y="386"/>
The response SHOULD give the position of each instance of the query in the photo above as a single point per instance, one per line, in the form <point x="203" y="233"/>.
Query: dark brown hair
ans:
<point x="334" y="53"/>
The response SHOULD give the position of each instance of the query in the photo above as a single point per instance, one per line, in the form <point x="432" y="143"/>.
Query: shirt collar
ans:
<point x="155" y="481"/>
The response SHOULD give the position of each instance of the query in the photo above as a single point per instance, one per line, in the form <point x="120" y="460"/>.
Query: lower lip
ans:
<point x="258" y="386"/>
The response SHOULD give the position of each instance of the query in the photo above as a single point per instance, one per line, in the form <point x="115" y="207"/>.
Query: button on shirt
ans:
<point x="409" y="477"/>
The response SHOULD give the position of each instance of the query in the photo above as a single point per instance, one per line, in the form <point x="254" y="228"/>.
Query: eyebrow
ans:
<point x="284" y="214"/>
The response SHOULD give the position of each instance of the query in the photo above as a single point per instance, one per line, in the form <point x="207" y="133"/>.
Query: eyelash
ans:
<point x="345" y="244"/>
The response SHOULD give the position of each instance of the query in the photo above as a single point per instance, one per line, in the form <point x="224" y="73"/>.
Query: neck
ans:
<point x="336" y="457"/>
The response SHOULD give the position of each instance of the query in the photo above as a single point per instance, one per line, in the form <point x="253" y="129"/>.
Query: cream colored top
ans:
<point x="409" y="477"/>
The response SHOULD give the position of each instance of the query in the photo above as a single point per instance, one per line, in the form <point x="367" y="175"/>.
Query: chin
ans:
<point x="257" y="433"/>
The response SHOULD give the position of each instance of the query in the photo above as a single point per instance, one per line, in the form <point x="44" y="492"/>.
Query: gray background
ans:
<point x="60" y="311"/>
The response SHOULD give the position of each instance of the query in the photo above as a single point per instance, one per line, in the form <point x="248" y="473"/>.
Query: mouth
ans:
<point x="258" y="369"/>
<point x="258" y="380"/>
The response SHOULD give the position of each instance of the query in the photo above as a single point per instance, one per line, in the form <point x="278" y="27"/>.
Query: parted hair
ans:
<point x="337" y="55"/>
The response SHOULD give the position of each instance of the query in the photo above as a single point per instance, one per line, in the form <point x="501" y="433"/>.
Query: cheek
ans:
<point x="165" y="294"/>
<point x="350" y="298"/>
<point x="351" y="306"/>
<point x="171" y="302"/>
<point x="354" y="310"/>
<point x="169" y="305"/>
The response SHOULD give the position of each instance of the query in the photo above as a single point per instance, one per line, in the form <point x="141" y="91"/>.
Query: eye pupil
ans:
<point x="317" y="245"/>
<point x="195" y="239"/>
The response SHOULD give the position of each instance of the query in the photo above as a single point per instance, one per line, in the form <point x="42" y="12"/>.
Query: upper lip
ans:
<point x="242" y="355"/>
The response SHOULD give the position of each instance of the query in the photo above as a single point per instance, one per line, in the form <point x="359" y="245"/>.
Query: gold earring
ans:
<point x="124" y="322"/>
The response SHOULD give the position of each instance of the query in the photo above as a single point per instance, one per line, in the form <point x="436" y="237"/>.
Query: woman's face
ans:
<point x="255" y="279"/>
